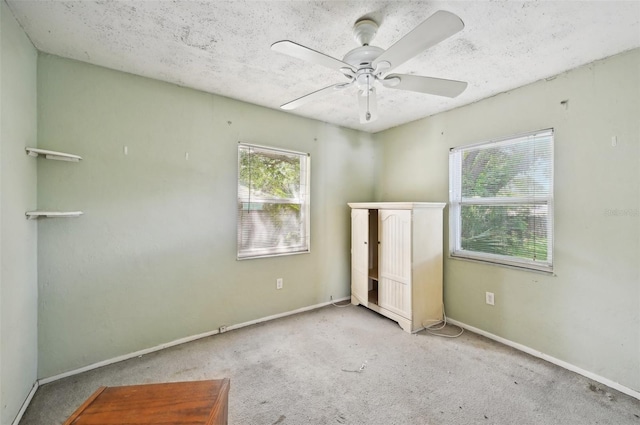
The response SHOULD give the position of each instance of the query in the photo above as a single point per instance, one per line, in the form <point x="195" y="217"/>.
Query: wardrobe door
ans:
<point x="394" y="291"/>
<point x="359" y="255"/>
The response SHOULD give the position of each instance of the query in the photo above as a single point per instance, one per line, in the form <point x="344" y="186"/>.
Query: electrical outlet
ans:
<point x="489" y="298"/>
<point x="279" y="283"/>
<point x="222" y="329"/>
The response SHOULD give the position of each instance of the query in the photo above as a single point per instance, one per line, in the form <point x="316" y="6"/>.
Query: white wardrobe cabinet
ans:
<point x="396" y="260"/>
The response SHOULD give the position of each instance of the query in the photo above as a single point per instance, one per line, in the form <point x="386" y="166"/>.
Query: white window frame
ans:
<point x="304" y="200"/>
<point x="457" y="201"/>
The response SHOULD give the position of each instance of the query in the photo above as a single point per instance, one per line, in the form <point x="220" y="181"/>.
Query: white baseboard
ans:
<point x="26" y="403"/>
<point x="181" y="341"/>
<point x="550" y="359"/>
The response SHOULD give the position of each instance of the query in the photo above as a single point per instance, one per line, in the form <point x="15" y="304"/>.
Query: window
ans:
<point x="501" y="201"/>
<point x="273" y="202"/>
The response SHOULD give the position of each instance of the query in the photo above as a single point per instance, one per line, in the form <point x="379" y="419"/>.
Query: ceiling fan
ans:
<point x="369" y="66"/>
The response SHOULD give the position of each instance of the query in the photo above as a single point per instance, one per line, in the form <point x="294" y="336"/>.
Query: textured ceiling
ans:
<point x="223" y="47"/>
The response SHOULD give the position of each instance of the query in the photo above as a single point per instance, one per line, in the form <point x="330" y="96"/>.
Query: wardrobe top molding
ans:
<point x="396" y="205"/>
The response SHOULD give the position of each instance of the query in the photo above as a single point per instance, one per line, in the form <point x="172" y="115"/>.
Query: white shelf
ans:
<point x="60" y="156"/>
<point x="32" y="215"/>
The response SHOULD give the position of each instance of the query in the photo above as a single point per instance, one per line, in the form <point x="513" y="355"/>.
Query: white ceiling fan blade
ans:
<point x="301" y="52"/>
<point x="439" y="26"/>
<point x="313" y="96"/>
<point x="368" y="106"/>
<point x="429" y="85"/>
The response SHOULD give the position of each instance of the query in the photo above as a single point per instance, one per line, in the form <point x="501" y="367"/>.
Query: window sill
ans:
<point x="522" y="267"/>
<point x="283" y="254"/>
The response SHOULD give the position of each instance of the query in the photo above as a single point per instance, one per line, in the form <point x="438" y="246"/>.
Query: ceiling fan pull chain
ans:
<point x="368" y="115"/>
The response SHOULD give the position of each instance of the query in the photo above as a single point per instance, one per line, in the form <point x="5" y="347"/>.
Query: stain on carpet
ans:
<point x="599" y="390"/>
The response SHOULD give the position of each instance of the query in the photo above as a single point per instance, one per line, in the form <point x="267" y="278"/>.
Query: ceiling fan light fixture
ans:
<point x="365" y="79"/>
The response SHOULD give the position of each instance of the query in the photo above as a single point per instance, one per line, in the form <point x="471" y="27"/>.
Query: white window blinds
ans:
<point x="273" y="201"/>
<point x="501" y="195"/>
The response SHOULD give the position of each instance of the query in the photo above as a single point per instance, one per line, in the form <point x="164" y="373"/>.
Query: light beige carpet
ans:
<point x="352" y="366"/>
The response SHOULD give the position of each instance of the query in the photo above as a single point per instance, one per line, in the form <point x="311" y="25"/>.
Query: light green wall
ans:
<point x="587" y="314"/>
<point x="154" y="257"/>
<point x="18" y="237"/>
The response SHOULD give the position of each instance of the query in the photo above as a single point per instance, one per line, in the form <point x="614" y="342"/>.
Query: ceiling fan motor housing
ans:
<point x="362" y="56"/>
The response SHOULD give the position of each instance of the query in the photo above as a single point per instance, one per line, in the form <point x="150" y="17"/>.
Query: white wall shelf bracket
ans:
<point x="60" y="156"/>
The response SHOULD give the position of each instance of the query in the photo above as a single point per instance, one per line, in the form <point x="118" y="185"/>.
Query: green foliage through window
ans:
<point x="502" y="200"/>
<point x="270" y="175"/>
<point x="273" y="202"/>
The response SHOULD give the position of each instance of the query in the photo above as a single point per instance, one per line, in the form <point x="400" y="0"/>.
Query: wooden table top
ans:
<point x="196" y="402"/>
